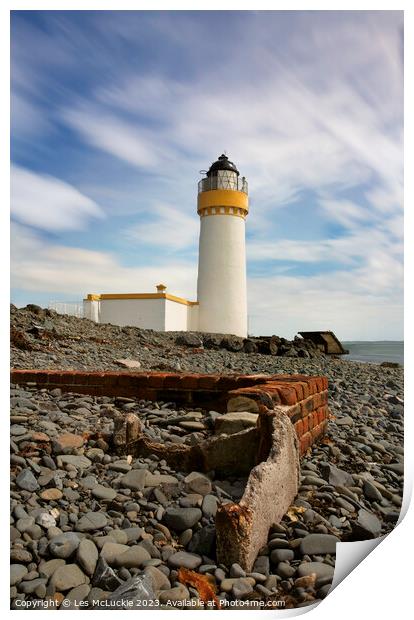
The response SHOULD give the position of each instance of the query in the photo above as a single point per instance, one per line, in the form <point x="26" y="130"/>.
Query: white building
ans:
<point x="221" y="305"/>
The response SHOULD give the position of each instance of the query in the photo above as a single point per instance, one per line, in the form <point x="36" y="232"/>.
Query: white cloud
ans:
<point x="317" y="114"/>
<point x="166" y="227"/>
<point x="40" y="266"/>
<point x="48" y="203"/>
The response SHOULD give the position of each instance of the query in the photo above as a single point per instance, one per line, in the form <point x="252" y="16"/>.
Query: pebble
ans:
<point x="184" y="559"/>
<point x="281" y="555"/>
<point x="26" y="480"/>
<point x="90" y="479"/>
<point x="17" y="572"/>
<point x="180" y="519"/>
<point x="87" y="556"/>
<point x="178" y="593"/>
<point x="91" y="521"/>
<point x="318" y="544"/>
<point x="198" y="483"/>
<point x="66" y="577"/>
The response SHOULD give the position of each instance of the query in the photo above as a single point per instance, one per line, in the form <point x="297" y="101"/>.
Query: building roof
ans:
<point x="223" y="163"/>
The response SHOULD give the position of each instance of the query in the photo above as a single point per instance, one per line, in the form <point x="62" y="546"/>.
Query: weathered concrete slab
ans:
<point x="242" y="529"/>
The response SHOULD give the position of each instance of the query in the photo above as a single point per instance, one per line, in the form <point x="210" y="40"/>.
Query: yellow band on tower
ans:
<point x="223" y="198"/>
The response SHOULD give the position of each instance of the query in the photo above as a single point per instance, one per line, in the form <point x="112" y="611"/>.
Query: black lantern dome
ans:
<point x="223" y="163"/>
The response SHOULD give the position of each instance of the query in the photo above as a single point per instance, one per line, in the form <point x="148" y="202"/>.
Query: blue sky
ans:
<point x="114" y="114"/>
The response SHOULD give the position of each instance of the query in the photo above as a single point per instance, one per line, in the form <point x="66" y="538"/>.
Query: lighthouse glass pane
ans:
<point x="226" y="179"/>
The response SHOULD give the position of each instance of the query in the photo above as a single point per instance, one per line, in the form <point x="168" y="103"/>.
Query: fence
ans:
<point x="73" y="308"/>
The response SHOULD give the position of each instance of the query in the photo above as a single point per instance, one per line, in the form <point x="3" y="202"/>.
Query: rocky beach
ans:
<point x="90" y="528"/>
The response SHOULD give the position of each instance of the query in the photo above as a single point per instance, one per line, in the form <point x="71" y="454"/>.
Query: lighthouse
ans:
<point x="221" y="286"/>
<point x="221" y="305"/>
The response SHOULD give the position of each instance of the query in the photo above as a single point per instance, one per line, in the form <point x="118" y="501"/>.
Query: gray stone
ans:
<point x="335" y="476"/>
<point x="88" y="482"/>
<point x="68" y="577"/>
<point x="153" y="480"/>
<point x="49" y="567"/>
<point x="111" y="550"/>
<point x="17" y="572"/>
<point x="203" y="541"/>
<point x="121" y="466"/>
<point x="104" y="577"/>
<point x="134" y="557"/>
<point x="367" y="524"/>
<point x="185" y="537"/>
<point x="137" y="589"/>
<point x="17" y="554"/>
<point x="209" y="506"/>
<point x="241" y="589"/>
<point x="17" y="429"/>
<point x="180" y="519"/>
<point x="318" y="544"/>
<point x="320" y="569"/>
<point x="234" y="422"/>
<point x="158" y="578"/>
<point x="179" y="593"/>
<point x="344" y="421"/>
<point x="184" y="559"/>
<point x="26" y="480"/>
<point x="198" y="483"/>
<point x="262" y="565"/>
<point x="128" y="363"/>
<point x="87" y="556"/>
<point x="281" y="555"/>
<point x="134" y="479"/>
<point x="285" y="570"/>
<point x="371" y="492"/>
<point x="28" y="587"/>
<point x="80" y="462"/>
<point x="24" y="524"/>
<point x="237" y="571"/>
<point x="64" y="545"/>
<point x="106" y="493"/>
<point x="91" y="521"/>
<point x="76" y="595"/>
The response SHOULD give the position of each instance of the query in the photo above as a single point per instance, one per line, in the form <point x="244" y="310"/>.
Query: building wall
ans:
<point x="221" y="287"/>
<point x="192" y="318"/>
<point x="176" y="316"/>
<point x="158" y="314"/>
<point x="91" y="310"/>
<point x="144" y="313"/>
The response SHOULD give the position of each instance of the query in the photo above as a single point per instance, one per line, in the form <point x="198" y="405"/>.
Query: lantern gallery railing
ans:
<point x="223" y="182"/>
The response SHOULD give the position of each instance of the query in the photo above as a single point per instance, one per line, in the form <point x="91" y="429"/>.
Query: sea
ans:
<point x="375" y="352"/>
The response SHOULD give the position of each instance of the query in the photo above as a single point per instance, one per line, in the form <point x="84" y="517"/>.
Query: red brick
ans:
<point x="299" y="391"/>
<point x="324" y="397"/>
<point x="208" y="382"/>
<point x="305" y="442"/>
<point x="307" y="406"/>
<point x="319" y="383"/>
<point x="287" y="395"/>
<point x="42" y="377"/>
<point x="274" y="394"/>
<point x="172" y="381"/>
<point x="299" y="428"/>
<point x="305" y="422"/>
<point x="156" y="380"/>
<point x="190" y="382"/>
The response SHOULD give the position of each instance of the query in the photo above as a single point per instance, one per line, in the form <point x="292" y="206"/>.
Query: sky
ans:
<point x="115" y="113"/>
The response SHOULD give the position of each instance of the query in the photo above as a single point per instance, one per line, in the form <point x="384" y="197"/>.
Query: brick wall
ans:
<point x="304" y="399"/>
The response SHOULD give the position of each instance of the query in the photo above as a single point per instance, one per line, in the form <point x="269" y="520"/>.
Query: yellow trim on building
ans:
<point x="223" y="198"/>
<point x="178" y="300"/>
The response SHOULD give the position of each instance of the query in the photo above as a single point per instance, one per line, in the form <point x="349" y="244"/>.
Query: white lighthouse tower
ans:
<point x="221" y="286"/>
